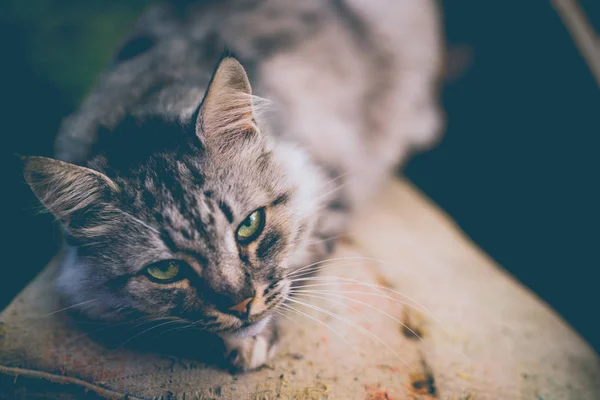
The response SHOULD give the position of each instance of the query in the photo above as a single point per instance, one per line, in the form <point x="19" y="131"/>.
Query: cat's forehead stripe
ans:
<point x="197" y="177"/>
<point x="281" y="199"/>
<point x="168" y="241"/>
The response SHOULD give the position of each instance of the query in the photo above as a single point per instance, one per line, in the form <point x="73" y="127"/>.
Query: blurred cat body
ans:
<point x="170" y="159"/>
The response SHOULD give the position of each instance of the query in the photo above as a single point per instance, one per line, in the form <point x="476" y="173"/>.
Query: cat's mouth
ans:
<point x="253" y="324"/>
<point x="251" y="328"/>
<point x="246" y="328"/>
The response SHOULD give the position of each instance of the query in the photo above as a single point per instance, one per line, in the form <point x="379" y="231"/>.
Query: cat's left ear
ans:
<point x="226" y="112"/>
<point x="78" y="196"/>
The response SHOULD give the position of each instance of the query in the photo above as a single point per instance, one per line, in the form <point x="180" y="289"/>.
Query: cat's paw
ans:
<point x="252" y="353"/>
<point x="246" y="354"/>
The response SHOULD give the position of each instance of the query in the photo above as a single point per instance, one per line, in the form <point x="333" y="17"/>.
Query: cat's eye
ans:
<point x="251" y="227"/>
<point x="165" y="271"/>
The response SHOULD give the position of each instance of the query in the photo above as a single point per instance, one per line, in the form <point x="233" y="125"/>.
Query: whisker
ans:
<point x="145" y="331"/>
<point x="68" y="308"/>
<point x="149" y="318"/>
<point x="88" y="244"/>
<point x="105" y="327"/>
<point x="333" y="301"/>
<point x="296" y="275"/>
<point x="417" y="306"/>
<point x="337" y="178"/>
<point x="191" y="324"/>
<point x="322" y="268"/>
<point x="287" y="306"/>
<point x="365" y="304"/>
<point x="350" y="258"/>
<point x="324" y="292"/>
<point x="139" y="221"/>
<point x="316" y="266"/>
<point x="178" y="328"/>
<point x="346" y="281"/>
<point x="299" y="289"/>
<point x="324" y="239"/>
<point x="286" y="316"/>
<point x="360" y="328"/>
<point x="330" y="192"/>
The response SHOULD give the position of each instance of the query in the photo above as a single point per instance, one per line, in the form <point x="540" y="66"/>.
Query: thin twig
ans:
<point x="582" y="33"/>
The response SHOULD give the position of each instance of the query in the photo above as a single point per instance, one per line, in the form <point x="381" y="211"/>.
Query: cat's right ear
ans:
<point x="73" y="194"/>
<point x="226" y="113"/>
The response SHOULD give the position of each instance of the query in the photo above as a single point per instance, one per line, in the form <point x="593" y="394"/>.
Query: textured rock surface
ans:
<point x="450" y="325"/>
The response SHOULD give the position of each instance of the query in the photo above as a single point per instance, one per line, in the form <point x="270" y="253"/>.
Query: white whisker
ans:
<point x="68" y="308"/>
<point x="417" y="306"/>
<point x="347" y="281"/>
<point x="107" y="326"/>
<point x="182" y="328"/>
<point x="335" y="179"/>
<point x="309" y="294"/>
<point x="324" y="239"/>
<point x="297" y="274"/>
<point x="334" y="302"/>
<point x="278" y="312"/>
<point x="287" y="306"/>
<point x="332" y="191"/>
<point x="146" y="330"/>
<point x="139" y="221"/>
<point x="360" y="328"/>
<point x="350" y="258"/>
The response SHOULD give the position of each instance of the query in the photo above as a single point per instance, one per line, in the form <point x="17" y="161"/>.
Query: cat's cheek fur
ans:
<point x="156" y="299"/>
<point x="84" y="295"/>
<point x="309" y="182"/>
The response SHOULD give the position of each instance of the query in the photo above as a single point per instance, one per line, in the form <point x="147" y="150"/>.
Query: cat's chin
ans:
<point x="250" y="330"/>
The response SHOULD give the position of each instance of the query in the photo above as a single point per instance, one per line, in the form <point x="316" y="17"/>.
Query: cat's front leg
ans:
<point x="245" y="353"/>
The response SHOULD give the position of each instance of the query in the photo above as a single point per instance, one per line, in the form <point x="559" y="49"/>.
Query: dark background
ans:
<point x="518" y="168"/>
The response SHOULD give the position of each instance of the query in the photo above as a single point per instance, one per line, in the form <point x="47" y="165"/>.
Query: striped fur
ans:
<point x="168" y="156"/>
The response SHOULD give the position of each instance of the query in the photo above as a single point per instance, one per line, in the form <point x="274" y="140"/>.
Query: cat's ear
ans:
<point x="76" y="195"/>
<point x="226" y="112"/>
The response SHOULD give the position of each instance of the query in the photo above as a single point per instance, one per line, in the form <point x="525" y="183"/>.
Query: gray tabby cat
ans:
<point x="179" y="203"/>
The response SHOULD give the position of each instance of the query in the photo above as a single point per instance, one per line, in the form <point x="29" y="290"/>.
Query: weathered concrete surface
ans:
<point x="445" y="322"/>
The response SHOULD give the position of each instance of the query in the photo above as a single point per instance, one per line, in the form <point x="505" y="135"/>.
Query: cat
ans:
<point x="180" y="201"/>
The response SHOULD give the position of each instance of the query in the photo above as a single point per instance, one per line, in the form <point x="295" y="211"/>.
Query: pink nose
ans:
<point x="242" y="307"/>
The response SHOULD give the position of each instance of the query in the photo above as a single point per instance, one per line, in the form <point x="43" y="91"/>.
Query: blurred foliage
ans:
<point x="69" y="42"/>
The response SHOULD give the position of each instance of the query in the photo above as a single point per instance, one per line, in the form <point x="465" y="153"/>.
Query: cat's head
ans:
<point x="195" y="220"/>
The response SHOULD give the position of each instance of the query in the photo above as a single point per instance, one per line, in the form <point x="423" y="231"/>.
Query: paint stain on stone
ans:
<point x="375" y="392"/>
<point x="423" y="382"/>
<point x="390" y="368"/>
<point x="382" y="280"/>
<point x="413" y="325"/>
<point x="296" y="356"/>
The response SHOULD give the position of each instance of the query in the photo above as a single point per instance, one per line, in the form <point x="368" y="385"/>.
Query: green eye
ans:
<point x="164" y="271"/>
<point x="252" y="226"/>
